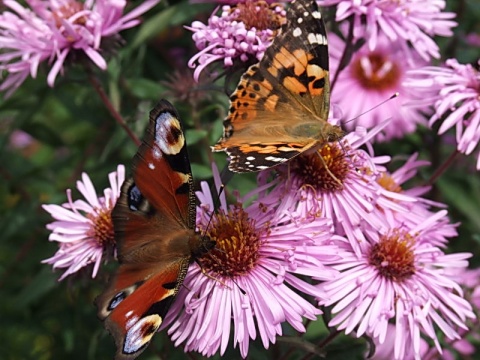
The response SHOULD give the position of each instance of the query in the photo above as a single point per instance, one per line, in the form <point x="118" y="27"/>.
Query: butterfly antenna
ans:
<point x="373" y="108"/>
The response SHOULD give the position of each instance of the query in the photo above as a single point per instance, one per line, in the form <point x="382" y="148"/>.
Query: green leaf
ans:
<point x="201" y="171"/>
<point x="173" y="15"/>
<point x="145" y="89"/>
<point x="40" y="284"/>
<point x="193" y="136"/>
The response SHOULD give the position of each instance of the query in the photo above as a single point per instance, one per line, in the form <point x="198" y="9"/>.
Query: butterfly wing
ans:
<point x="280" y="107"/>
<point x="154" y="222"/>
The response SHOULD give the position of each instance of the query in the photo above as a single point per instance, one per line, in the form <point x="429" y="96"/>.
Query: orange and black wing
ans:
<point x="280" y="107"/>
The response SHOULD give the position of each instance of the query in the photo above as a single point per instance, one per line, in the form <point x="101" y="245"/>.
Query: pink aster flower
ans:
<point x="346" y="190"/>
<point x="421" y="208"/>
<point x="49" y="31"/>
<point x="371" y="77"/>
<point x="243" y="31"/>
<point x="399" y="278"/>
<point x="412" y="21"/>
<point x="84" y="229"/>
<point x="257" y="276"/>
<point x="454" y="92"/>
<point x="385" y="350"/>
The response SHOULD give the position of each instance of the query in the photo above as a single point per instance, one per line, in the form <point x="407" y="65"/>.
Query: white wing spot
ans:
<point x="151" y="166"/>
<point x="317" y="14"/>
<point x="317" y="39"/>
<point x="274" y="159"/>
<point x="300" y="20"/>
<point x="250" y="158"/>
<point x="157" y="154"/>
<point x="262" y="167"/>
<point x="297" y="32"/>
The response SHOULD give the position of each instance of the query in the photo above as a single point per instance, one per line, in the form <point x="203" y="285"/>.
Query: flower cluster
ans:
<point x="50" y="31"/>
<point x="392" y="265"/>
<point x="242" y="31"/>
<point x="454" y="93"/>
<point x="332" y="228"/>
<point x="257" y="274"/>
<point x="412" y="21"/>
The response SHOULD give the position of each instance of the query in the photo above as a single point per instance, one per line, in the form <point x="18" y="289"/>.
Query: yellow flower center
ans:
<point x="66" y="11"/>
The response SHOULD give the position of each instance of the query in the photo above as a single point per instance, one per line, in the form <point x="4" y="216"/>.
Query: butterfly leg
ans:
<point x="204" y="272"/>
<point x="328" y="170"/>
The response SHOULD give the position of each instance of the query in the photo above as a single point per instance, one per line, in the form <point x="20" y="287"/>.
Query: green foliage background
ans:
<point x="73" y="132"/>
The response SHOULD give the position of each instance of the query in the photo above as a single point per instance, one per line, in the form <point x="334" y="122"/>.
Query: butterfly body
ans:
<point x="154" y="224"/>
<point x="280" y="107"/>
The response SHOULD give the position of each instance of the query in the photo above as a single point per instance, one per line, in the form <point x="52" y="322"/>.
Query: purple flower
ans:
<point x="453" y="91"/>
<point x="84" y="229"/>
<point x="415" y="21"/>
<point x="51" y="30"/>
<point x="243" y="31"/>
<point x="256" y="276"/>
<point x="399" y="278"/>
<point x="372" y="76"/>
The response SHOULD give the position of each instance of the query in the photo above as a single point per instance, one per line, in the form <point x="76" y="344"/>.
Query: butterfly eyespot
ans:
<point x="117" y="299"/>
<point x="168" y="133"/>
<point x="140" y="334"/>
<point x="120" y="296"/>
<point x="135" y="197"/>
<point x="170" y="285"/>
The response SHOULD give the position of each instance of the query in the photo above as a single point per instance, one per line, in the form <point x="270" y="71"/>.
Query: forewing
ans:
<point x="160" y="195"/>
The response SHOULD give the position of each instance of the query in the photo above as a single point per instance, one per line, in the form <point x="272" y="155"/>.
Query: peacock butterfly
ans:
<point x="154" y="224"/>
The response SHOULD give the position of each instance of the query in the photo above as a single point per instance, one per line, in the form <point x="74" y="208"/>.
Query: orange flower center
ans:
<point x="259" y="15"/>
<point x="318" y="173"/>
<point x="102" y="228"/>
<point x="376" y="71"/>
<point x="388" y="183"/>
<point x="237" y="244"/>
<point x="68" y="10"/>
<point x="393" y="256"/>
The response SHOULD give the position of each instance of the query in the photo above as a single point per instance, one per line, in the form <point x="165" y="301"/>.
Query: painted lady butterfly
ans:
<point x="280" y="107"/>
